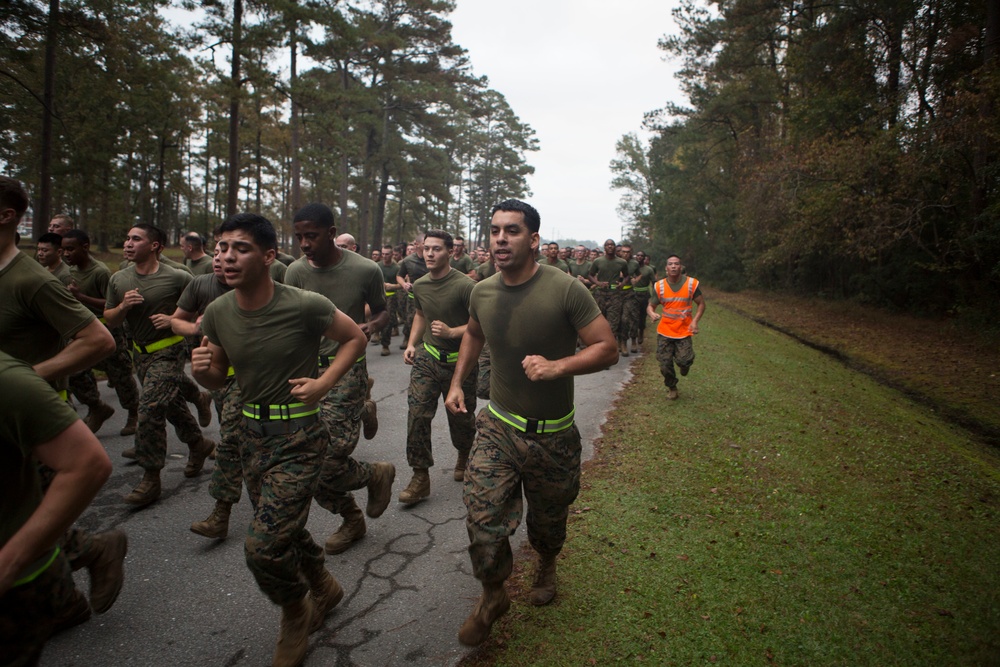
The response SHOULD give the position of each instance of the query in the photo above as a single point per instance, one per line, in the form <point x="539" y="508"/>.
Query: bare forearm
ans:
<point x="93" y="343"/>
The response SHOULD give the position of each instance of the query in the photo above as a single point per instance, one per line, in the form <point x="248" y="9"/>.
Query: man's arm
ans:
<point x="352" y="340"/>
<point x="88" y="346"/>
<point x="700" y="300"/>
<point x="182" y="322"/>
<point x="81" y="467"/>
<point x="209" y="365"/>
<point x="601" y="352"/>
<point x="116" y="315"/>
<point x="468" y="354"/>
<point x="91" y="301"/>
<point x="441" y="330"/>
<point x="416" y="333"/>
<point x="379" y="318"/>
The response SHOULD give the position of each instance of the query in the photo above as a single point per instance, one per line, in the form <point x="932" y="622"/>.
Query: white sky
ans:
<point x="582" y="73"/>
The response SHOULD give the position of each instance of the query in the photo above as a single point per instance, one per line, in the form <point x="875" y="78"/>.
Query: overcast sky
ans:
<point x="582" y="73"/>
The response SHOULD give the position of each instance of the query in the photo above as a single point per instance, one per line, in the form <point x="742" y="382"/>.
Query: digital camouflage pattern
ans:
<point x="282" y="473"/>
<point x="548" y="468"/>
<point x="28" y="613"/>
<point x="610" y="303"/>
<point x="429" y="380"/>
<point x="118" y="368"/>
<point x="227" y="476"/>
<point x="160" y="399"/>
<point x="483" y="377"/>
<point x="410" y="311"/>
<point x="629" y="327"/>
<point x="670" y="351"/>
<point x="392" y="307"/>
<point x="341" y="411"/>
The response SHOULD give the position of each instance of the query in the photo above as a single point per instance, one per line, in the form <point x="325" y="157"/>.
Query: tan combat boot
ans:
<point x="463" y="460"/>
<point x="98" y="415"/>
<point x="380" y="488"/>
<point x="196" y="458"/>
<point x="296" y="619"/>
<point x="352" y="530"/>
<point x="216" y="526"/>
<point x="492" y="604"/>
<point x="623" y="348"/>
<point x="105" y="561"/>
<point x="129" y="453"/>
<point x="543" y="590"/>
<point x="418" y="488"/>
<point x="385" y="351"/>
<point x="326" y="593"/>
<point x="147" y="492"/>
<point x="672" y="394"/>
<point x="130" y="423"/>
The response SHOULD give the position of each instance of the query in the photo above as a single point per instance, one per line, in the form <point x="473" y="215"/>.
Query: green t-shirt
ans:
<point x="278" y="270"/>
<point x="272" y="345"/>
<point x="412" y="268"/>
<point x="446" y="299"/>
<point x="37" y="314"/>
<point x="485" y="270"/>
<point x="350" y="284"/>
<point x="577" y="270"/>
<point x="541" y="316"/>
<point x="199" y="267"/>
<point x="558" y="264"/>
<point x="163" y="259"/>
<point x="284" y="258"/>
<point x="63" y="274"/>
<point x="93" y="282"/>
<point x="389" y="273"/>
<point x="32" y="414"/>
<point x="646" y="277"/>
<point x="160" y="292"/>
<point x="202" y="291"/>
<point x="608" y="269"/>
<point x="465" y="264"/>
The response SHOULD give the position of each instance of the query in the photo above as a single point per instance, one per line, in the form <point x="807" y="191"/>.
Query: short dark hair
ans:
<point x="51" y="239"/>
<point x="260" y="229"/>
<point x="673" y="254"/>
<point x="531" y="217"/>
<point x="195" y="238"/>
<point x="13" y="195"/>
<point x="79" y="235"/>
<point x="449" y="243"/>
<point x="153" y="233"/>
<point x="389" y="246"/>
<point x="317" y="213"/>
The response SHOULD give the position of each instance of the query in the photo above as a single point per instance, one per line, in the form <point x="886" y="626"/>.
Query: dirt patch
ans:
<point x="954" y="371"/>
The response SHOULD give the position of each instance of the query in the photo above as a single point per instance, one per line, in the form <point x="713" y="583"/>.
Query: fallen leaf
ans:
<point x="646" y="614"/>
<point x="683" y="557"/>
<point x="706" y="617"/>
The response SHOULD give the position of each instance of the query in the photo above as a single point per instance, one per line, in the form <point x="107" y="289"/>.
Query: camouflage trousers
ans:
<point x="429" y="380"/>
<point x="670" y="351"/>
<point x="162" y="374"/>
<point x="227" y="475"/>
<point x="28" y="613"/>
<point x="392" y="306"/>
<point x="407" y="315"/>
<point x="341" y="411"/>
<point x="483" y="379"/>
<point x="643" y="300"/>
<point x="503" y="463"/>
<point x="630" y="316"/>
<point x="118" y="368"/>
<point x="281" y="474"/>
<point x="76" y="543"/>
<point x="610" y="303"/>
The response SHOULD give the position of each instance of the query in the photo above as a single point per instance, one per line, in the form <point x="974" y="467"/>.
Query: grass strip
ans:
<point x="786" y="510"/>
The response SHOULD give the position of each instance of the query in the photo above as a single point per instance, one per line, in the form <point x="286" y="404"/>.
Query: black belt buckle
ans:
<point x="531" y="426"/>
<point x="278" y="426"/>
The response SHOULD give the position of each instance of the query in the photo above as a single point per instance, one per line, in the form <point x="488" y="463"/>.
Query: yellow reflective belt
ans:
<point x="64" y="395"/>
<point x="526" y="425"/>
<point x="390" y="294"/>
<point x="37" y="568"/>
<point x="278" y="412"/>
<point x="409" y="295"/>
<point x="161" y="344"/>
<point x="449" y="357"/>
<point x="231" y="372"/>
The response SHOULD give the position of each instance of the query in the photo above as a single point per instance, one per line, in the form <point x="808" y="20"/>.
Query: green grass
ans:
<point x="786" y="510"/>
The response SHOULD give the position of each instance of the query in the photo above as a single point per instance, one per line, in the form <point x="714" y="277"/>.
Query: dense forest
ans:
<point x="114" y="114"/>
<point x="846" y="149"/>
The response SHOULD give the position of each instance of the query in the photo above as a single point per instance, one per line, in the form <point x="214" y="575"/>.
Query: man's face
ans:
<point x="376" y="256"/>
<point x="187" y="248"/>
<point x="674" y="267"/>
<point x="436" y="255"/>
<point x="553" y="252"/>
<point x="74" y="251"/>
<point x="626" y="253"/>
<point x="244" y="263"/>
<point x="564" y="253"/>
<point x="458" y="249"/>
<point x="315" y="241"/>
<point x="640" y="257"/>
<point x="396" y="256"/>
<point x="594" y="254"/>
<point x="387" y="256"/>
<point x="609" y="248"/>
<point x="59" y="226"/>
<point x="513" y="245"/>
<point x="47" y="254"/>
<point x="138" y="247"/>
<point x="410" y="249"/>
<point x="418" y="248"/>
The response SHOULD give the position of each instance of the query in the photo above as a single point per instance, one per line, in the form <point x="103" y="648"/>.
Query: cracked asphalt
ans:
<point x="188" y="600"/>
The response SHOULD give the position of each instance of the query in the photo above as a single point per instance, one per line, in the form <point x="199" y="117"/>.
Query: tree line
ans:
<point x="115" y="115"/>
<point x="847" y="149"/>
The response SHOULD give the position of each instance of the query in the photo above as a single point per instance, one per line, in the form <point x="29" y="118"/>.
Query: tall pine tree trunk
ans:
<point x="44" y="212"/>
<point x="232" y="202"/>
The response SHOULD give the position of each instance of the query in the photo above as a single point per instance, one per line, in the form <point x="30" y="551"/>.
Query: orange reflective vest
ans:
<point x="675" y="322"/>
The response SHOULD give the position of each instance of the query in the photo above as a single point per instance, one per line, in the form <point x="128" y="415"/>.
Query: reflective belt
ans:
<point x="388" y="294"/>
<point x="231" y="372"/>
<point x="64" y="395"/>
<point x="36" y="569"/>
<point x="642" y="289"/>
<point x="102" y="321"/>
<point x="409" y="295"/>
<point x="325" y="361"/>
<point x="441" y="355"/>
<point x="526" y="425"/>
<point x="279" y="412"/>
<point x="161" y="344"/>
<point x="625" y="287"/>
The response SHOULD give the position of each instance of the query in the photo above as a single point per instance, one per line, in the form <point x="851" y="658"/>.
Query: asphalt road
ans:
<point x="188" y="600"/>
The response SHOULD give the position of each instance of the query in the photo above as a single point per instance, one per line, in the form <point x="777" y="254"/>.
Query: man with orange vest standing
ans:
<point x="676" y="293"/>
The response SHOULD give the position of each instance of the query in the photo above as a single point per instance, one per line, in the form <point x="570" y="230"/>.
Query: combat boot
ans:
<point x="543" y="590"/>
<point x="196" y="458"/>
<point x="98" y="415"/>
<point x="395" y="331"/>
<point x="204" y="409"/>
<point x="128" y="453"/>
<point x="216" y="526"/>
<point x="326" y="593"/>
<point x="105" y="561"/>
<point x="492" y="604"/>
<point x="683" y="369"/>
<point x="623" y="348"/>
<point x="75" y="612"/>
<point x="463" y="460"/>
<point x="293" y="640"/>
<point x="147" y="492"/>
<point x="380" y="488"/>
<point x="635" y="346"/>
<point x="418" y="488"/>
<point x="672" y="394"/>
<point x="352" y="530"/>
<point x="130" y="423"/>
<point x="385" y="351"/>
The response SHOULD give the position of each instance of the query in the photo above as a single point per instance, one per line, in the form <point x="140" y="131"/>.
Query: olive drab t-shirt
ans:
<point x="278" y="270"/>
<point x="541" y="316"/>
<point x="646" y="275"/>
<point x="160" y="292"/>
<point x="608" y="270"/>
<point x="37" y="314"/>
<point x="63" y="274"/>
<point x="412" y="268"/>
<point x="559" y="264"/>
<point x="200" y="266"/>
<point x="389" y="273"/>
<point x="445" y="299"/>
<point x="32" y="414"/>
<point x="93" y="282"/>
<point x="202" y="291"/>
<point x="465" y="264"/>
<point x="485" y="270"/>
<point x="272" y="345"/>
<point x="350" y="284"/>
<point x="577" y="270"/>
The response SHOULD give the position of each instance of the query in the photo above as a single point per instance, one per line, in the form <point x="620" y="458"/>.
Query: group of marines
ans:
<point x="281" y="345"/>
